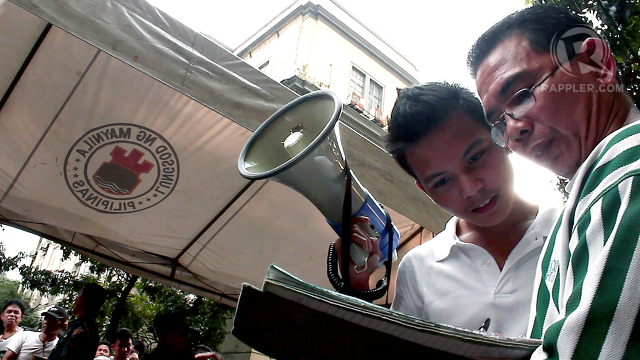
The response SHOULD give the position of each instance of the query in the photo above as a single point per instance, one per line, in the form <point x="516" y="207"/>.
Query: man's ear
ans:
<point x="598" y="57"/>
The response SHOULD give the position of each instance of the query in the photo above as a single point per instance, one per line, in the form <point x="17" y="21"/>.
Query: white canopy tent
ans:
<point x="120" y="130"/>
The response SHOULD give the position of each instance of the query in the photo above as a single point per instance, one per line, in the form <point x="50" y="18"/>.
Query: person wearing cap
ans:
<point x="81" y="340"/>
<point x="28" y="345"/>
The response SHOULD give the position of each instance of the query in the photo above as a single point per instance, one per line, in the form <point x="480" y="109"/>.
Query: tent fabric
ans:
<point x="120" y="130"/>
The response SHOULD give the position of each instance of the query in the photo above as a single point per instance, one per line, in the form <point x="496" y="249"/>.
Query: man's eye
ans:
<point x="477" y="156"/>
<point x="440" y="183"/>
<point x="520" y="98"/>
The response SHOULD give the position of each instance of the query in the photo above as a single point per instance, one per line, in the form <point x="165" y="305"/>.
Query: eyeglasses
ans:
<point x="516" y="107"/>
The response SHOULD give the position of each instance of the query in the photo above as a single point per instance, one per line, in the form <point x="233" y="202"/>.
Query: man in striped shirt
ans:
<point x="549" y="89"/>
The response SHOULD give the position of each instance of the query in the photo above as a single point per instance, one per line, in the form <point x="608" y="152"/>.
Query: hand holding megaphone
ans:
<point x="364" y="252"/>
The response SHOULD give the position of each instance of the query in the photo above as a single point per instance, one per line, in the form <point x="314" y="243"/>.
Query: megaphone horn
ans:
<point x="299" y="146"/>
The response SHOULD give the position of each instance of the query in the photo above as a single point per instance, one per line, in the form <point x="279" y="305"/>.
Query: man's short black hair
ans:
<point x="172" y="321"/>
<point x="105" y="342"/>
<point x="16" y="302"/>
<point x="538" y="24"/>
<point x="139" y="346"/>
<point x="122" y="334"/>
<point x="419" y="109"/>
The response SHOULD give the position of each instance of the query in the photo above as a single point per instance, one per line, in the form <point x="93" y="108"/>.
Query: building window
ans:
<point x="375" y="96"/>
<point x="362" y="84"/>
<point x="356" y="84"/>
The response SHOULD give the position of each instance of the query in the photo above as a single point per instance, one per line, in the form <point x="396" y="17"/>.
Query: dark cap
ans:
<point x="57" y="312"/>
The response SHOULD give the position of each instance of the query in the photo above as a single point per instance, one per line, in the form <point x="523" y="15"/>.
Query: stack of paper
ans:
<point x="291" y="319"/>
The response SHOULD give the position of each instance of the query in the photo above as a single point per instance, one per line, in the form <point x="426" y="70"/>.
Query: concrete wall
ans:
<point x="48" y="256"/>
<point x="321" y="48"/>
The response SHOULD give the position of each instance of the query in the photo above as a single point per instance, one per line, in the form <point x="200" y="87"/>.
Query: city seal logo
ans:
<point x="121" y="168"/>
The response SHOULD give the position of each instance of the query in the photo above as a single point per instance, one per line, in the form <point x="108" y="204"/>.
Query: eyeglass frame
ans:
<point x="499" y="135"/>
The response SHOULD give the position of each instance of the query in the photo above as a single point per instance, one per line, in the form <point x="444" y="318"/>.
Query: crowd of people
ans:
<point x="79" y="339"/>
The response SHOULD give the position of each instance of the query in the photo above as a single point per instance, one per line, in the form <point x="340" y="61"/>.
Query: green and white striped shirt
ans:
<point x="588" y="280"/>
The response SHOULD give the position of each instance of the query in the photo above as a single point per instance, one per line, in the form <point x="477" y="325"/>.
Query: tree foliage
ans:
<point x="9" y="263"/>
<point x="206" y="318"/>
<point x="618" y="21"/>
<point x="133" y="303"/>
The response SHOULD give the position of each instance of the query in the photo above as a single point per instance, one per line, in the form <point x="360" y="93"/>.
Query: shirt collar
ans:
<point x="632" y="117"/>
<point x="450" y="239"/>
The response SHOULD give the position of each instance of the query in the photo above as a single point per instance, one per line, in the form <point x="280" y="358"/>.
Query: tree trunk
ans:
<point x="118" y="310"/>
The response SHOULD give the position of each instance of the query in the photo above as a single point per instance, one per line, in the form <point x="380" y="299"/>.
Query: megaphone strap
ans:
<point x="346" y="226"/>
<point x="343" y="284"/>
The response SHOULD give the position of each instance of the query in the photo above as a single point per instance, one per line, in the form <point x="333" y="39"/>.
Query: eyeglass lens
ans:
<point x="499" y="134"/>
<point x="520" y="103"/>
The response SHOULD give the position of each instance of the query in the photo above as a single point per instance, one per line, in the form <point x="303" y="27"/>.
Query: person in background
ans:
<point x="484" y="260"/>
<point x="31" y="345"/>
<point x="121" y="344"/>
<point x="12" y="313"/>
<point x="203" y="352"/>
<point x="172" y="330"/>
<point x="133" y="354"/>
<point x="550" y="92"/>
<point x="104" y="348"/>
<point x="81" y="340"/>
<point x="139" y="347"/>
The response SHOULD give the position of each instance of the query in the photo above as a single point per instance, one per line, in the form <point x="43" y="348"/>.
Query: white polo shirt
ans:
<point x="27" y="344"/>
<point x="453" y="282"/>
<point x="4" y="342"/>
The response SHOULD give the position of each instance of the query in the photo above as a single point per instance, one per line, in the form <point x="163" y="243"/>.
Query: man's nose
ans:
<point x="517" y="130"/>
<point x="470" y="184"/>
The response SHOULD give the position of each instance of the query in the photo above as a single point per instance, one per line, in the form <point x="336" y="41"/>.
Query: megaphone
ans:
<point x="299" y="146"/>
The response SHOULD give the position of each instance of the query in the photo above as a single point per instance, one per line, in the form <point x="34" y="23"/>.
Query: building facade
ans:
<point x="49" y="255"/>
<point x="318" y="44"/>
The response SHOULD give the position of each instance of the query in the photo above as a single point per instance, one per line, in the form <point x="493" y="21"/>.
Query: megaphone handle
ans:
<point x="343" y="285"/>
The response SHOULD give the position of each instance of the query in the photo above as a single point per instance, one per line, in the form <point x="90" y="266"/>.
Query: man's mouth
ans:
<point x="486" y="205"/>
<point x="540" y="150"/>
